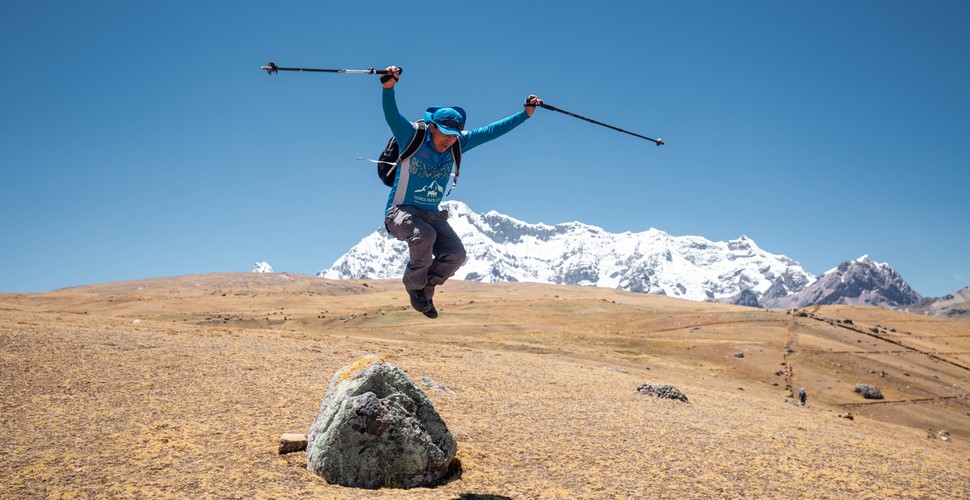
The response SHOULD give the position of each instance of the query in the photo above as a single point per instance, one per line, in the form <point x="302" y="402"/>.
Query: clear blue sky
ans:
<point x="140" y="139"/>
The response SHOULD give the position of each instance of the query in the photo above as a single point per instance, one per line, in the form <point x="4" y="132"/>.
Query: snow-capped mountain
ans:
<point x="503" y="249"/>
<point x="856" y="282"/>
<point x="262" y="267"/>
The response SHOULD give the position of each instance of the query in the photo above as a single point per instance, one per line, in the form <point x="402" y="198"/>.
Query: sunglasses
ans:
<point x="452" y="124"/>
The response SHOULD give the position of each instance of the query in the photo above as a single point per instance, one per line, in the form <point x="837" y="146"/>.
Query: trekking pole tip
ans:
<point x="660" y="142"/>
<point x="270" y="68"/>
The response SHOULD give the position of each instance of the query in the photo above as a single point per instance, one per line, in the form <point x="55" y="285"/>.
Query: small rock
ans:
<point x="868" y="391"/>
<point x="739" y="355"/>
<point x="432" y="384"/>
<point x="662" y="391"/>
<point x="847" y="415"/>
<point x="290" y="443"/>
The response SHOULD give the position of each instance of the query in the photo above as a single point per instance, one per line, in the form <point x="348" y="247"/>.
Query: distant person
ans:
<point x="802" y="396"/>
<point x="412" y="213"/>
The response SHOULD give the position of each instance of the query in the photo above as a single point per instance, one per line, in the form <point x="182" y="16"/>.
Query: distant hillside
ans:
<point x="955" y="305"/>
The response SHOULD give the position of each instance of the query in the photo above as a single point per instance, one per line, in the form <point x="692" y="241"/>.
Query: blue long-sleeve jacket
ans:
<point x="421" y="179"/>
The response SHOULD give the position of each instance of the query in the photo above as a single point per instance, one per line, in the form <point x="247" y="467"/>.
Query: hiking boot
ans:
<point x="419" y="302"/>
<point x="429" y="294"/>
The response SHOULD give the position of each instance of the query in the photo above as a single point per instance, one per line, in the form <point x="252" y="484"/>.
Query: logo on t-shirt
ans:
<point x="430" y="193"/>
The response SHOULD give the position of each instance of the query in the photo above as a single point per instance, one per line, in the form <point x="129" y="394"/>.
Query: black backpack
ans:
<point x="388" y="161"/>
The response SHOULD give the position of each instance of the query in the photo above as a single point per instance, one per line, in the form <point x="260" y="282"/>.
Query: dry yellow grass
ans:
<point x="180" y="387"/>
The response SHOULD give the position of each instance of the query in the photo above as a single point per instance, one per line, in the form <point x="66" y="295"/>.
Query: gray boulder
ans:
<point x="375" y="429"/>
<point x="868" y="391"/>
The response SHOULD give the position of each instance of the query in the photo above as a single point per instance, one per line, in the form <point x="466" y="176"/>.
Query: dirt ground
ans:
<point x="180" y="387"/>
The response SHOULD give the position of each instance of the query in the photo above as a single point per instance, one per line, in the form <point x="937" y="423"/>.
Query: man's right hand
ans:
<point x="530" y="104"/>
<point x="389" y="79"/>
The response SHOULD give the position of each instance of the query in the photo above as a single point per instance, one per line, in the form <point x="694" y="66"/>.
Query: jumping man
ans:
<point x="412" y="213"/>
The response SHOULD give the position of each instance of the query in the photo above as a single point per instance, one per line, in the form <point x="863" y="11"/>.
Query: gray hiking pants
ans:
<point x="436" y="250"/>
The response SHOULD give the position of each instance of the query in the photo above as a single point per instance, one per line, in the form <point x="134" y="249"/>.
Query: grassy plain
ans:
<point x="180" y="387"/>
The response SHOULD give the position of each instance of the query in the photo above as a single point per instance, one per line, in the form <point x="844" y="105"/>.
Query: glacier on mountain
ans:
<point x="503" y="249"/>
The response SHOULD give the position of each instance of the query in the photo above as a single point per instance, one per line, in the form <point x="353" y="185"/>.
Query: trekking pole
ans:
<point x="550" y="107"/>
<point x="272" y="68"/>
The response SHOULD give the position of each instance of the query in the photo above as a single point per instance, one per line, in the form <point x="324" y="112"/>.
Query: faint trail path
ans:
<point x="906" y="401"/>
<point x="787" y="356"/>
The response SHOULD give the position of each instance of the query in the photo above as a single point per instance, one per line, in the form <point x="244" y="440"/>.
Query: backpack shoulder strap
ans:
<point x="420" y="130"/>
<point x="456" y="155"/>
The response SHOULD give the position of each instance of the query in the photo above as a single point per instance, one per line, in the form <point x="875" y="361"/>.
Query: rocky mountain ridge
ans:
<point x="855" y="282"/>
<point x="503" y="249"/>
